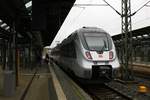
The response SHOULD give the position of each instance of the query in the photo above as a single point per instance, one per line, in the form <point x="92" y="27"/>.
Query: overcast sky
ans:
<point x="102" y="16"/>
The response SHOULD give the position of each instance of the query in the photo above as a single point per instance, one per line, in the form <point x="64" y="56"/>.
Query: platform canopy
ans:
<point x="45" y="17"/>
<point x="37" y="16"/>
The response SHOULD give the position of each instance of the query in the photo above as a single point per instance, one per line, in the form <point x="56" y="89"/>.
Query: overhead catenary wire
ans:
<point x="107" y="4"/>
<point x="147" y="5"/>
<point x="78" y="15"/>
<point x="90" y="5"/>
<point x="75" y="17"/>
<point x="112" y="7"/>
<point x="140" y="8"/>
<point x="132" y="13"/>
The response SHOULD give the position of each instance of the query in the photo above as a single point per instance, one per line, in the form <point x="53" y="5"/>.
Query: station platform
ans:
<point x="49" y="83"/>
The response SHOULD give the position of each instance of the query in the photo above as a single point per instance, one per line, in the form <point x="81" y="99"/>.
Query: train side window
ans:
<point x="68" y="50"/>
<point x="64" y="50"/>
<point x="71" y="50"/>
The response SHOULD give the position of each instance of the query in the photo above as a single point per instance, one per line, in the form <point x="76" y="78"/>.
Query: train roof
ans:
<point x="90" y="29"/>
<point x="79" y="32"/>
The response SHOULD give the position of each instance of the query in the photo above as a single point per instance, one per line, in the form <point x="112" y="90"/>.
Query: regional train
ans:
<point x="89" y="53"/>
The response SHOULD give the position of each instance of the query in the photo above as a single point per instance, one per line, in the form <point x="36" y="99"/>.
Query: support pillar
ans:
<point x="127" y="40"/>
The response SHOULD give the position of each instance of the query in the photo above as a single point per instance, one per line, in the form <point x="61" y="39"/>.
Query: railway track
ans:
<point x="141" y="70"/>
<point x="141" y="67"/>
<point x="104" y="92"/>
<point x="114" y="90"/>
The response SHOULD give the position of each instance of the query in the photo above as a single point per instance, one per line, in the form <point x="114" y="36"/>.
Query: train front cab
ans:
<point x="99" y="57"/>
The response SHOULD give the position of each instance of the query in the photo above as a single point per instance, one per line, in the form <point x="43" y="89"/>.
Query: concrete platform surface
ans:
<point x="19" y="89"/>
<point x="49" y="83"/>
<point x="40" y="89"/>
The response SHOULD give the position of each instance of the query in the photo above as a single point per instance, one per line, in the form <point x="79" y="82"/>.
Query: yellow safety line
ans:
<point x="75" y="89"/>
<point x="57" y="86"/>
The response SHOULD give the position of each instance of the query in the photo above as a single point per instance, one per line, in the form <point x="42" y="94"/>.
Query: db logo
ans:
<point x="100" y="55"/>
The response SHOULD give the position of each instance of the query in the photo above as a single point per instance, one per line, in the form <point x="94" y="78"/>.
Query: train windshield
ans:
<point x="97" y="41"/>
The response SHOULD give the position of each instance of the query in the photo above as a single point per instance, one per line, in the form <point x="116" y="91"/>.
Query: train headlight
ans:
<point x="111" y="55"/>
<point x="88" y="55"/>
